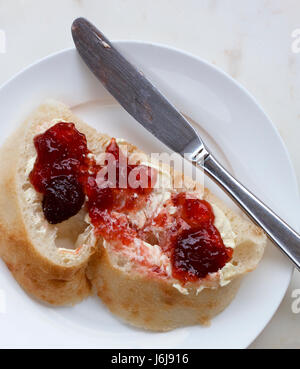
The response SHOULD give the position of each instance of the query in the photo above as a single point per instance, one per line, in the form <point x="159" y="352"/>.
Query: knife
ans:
<point x="150" y="108"/>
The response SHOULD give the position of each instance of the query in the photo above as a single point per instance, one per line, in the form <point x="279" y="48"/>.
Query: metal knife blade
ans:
<point x="133" y="91"/>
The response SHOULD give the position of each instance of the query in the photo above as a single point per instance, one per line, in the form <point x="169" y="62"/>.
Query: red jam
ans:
<point x="190" y="238"/>
<point x="129" y="192"/>
<point x="61" y="161"/>
<point x="63" y="198"/>
<point x="198" y="250"/>
<point x="65" y="175"/>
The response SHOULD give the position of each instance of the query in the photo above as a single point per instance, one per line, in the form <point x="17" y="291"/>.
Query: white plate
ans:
<point x="245" y="138"/>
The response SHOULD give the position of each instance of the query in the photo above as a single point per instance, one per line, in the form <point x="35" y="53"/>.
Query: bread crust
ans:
<point x="152" y="303"/>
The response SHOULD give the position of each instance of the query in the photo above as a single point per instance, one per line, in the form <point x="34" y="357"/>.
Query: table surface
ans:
<point x="251" y="40"/>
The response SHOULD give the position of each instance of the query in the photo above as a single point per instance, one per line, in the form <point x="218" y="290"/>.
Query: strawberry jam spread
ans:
<point x="190" y="237"/>
<point x="67" y="175"/>
<point x="128" y="192"/>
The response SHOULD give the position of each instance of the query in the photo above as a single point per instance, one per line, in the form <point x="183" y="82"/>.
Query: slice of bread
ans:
<point x="162" y="304"/>
<point x="64" y="263"/>
<point x="48" y="261"/>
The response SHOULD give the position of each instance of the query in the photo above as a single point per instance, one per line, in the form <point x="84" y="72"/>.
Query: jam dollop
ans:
<point x="63" y="199"/>
<point x="58" y="171"/>
<point x="198" y="250"/>
<point x="190" y="238"/>
<point x="61" y="150"/>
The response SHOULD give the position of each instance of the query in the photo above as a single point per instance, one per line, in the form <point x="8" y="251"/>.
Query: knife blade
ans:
<point x="150" y="108"/>
<point x="133" y="91"/>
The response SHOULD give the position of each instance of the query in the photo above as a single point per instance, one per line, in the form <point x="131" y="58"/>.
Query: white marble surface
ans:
<point x="249" y="39"/>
